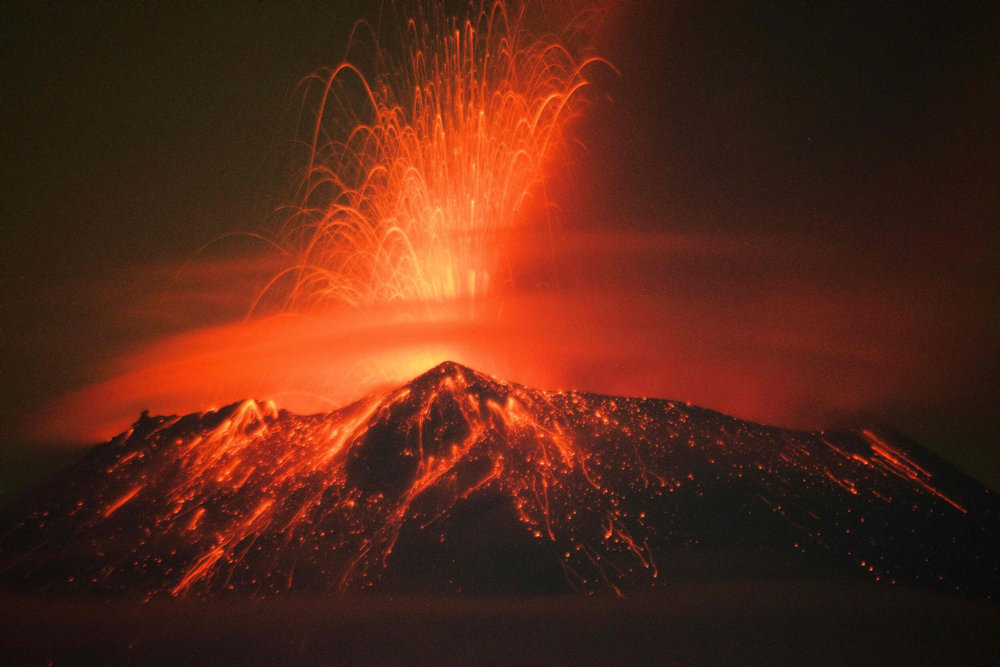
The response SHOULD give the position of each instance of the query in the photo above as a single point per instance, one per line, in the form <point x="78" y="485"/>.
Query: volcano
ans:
<point x="458" y="482"/>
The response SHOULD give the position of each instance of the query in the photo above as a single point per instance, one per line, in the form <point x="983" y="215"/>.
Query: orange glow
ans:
<point x="783" y="355"/>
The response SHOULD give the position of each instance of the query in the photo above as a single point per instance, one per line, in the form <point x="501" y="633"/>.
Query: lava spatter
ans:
<point x="460" y="482"/>
<point x="420" y="157"/>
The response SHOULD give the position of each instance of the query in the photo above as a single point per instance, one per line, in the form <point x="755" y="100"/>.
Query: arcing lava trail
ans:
<point x="459" y="482"/>
<point x="419" y="164"/>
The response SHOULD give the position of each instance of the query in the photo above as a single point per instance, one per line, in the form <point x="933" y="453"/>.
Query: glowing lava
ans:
<point x="459" y="482"/>
<point x="419" y="163"/>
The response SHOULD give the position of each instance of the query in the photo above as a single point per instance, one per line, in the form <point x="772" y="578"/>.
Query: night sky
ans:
<point x="810" y="192"/>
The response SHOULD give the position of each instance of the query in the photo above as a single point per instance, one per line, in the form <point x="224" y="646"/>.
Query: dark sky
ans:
<point x="866" y="135"/>
<point x="857" y="142"/>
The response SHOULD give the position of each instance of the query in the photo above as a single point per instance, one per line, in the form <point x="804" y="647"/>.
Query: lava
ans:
<point x="459" y="482"/>
<point x="418" y="163"/>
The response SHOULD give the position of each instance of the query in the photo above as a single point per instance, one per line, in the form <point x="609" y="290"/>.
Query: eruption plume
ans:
<point x="420" y="163"/>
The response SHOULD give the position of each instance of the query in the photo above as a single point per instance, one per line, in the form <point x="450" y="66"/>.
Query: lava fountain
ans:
<point x="417" y="159"/>
<point x="420" y="163"/>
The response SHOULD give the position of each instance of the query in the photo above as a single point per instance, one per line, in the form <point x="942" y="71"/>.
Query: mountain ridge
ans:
<point x="459" y="482"/>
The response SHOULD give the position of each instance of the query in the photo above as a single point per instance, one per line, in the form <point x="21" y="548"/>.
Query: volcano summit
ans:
<point x="457" y="482"/>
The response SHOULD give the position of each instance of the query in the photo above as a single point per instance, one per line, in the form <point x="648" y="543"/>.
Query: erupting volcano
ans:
<point x="433" y="209"/>
<point x="458" y="482"/>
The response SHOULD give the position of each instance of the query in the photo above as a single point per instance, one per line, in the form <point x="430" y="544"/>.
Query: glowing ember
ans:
<point x="419" y="163"/>
<point x="459" y="482"/>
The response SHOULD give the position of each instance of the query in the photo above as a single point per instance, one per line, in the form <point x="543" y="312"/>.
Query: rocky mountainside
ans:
<point x="458" y="482"/>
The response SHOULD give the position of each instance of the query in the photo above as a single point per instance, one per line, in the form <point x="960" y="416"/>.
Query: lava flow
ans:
<point x="459" y="482"/>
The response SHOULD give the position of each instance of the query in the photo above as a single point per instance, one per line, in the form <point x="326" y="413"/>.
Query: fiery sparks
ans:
<point x="420" y="163"/>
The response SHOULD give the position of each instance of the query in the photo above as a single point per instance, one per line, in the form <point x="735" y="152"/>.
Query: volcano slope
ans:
<point x="457" y="482"/>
